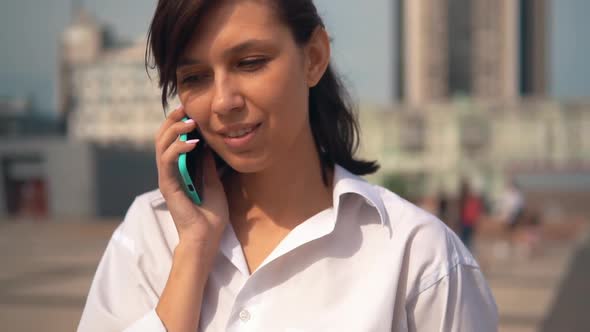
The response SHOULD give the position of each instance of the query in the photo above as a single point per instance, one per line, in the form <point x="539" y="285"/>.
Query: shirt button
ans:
<point x="244" y="315"/>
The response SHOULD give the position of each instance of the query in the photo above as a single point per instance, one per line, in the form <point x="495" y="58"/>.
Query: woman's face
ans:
<point x="243" y="80"/>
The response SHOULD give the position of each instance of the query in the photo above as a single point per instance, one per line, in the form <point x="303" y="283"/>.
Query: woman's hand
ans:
<point x="197" y="225"/>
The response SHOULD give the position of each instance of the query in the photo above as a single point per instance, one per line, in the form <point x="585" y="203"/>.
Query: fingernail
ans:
<point x="189" y="121"/>
<point x="178" y="106"/>
<point x="192" y="141"/>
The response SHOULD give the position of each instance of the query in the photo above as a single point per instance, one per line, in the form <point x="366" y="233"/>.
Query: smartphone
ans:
<point x="190" y="166"/>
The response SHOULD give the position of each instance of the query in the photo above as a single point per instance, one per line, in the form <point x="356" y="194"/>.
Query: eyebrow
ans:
<point x="241" y="47"/>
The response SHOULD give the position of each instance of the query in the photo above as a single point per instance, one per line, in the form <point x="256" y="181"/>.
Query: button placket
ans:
<point x="246" y="307"/>
<point x="244" y="315"/>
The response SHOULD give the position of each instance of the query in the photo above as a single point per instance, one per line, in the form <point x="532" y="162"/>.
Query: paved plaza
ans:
<point x="47" y="268"/>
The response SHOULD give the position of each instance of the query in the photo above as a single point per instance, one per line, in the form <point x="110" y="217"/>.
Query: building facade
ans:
<point x="112" y="111"/>
<point x="434" y="147"/>
<point x="486" y="49"/>
<point x="106" y="93"/>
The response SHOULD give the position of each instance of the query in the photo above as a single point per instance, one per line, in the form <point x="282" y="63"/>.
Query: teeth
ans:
<point x="240" y="133"/>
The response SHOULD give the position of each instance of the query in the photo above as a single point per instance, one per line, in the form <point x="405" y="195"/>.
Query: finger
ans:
<point x="172" y="133"/>
<point x="168" y="165"/>
<point x="173" y="117"/>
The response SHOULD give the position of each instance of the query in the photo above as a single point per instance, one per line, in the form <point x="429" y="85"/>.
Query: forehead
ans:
<point x="232" y="21"/>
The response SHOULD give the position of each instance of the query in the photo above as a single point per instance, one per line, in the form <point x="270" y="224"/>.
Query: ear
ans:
<point x="317" y="56"/>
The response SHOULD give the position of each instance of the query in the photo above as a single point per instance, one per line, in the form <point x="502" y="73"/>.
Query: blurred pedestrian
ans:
<point x="442" y="207"/>
<point x="470" y="210"/>
<point x="510" y="211"/>
<point x="512" y="206"/>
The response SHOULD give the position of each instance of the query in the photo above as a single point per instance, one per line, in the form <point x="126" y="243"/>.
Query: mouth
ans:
<point x="240" y="137"/>
<point x="237" y="133"/>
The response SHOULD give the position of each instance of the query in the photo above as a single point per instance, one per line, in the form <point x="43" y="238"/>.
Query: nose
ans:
<point x="226" y="96"/>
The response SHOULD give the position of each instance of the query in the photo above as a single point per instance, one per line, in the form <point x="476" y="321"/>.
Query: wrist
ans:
<point x="189" y="246"/>
<point x="199" y="243"/>
<point x="195" y="253"/>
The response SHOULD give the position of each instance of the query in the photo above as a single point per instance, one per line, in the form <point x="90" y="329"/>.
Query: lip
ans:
<point x="227" y="129"/>
<point x="239" y="142"/>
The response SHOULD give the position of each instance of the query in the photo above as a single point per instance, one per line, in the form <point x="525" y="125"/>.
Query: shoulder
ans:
<point x="411" y="229"/>
<point x="429" y="249"/>
<point x="147" y="225"/>
<point x="412" y="223"/>
<point x="142" y="208"/>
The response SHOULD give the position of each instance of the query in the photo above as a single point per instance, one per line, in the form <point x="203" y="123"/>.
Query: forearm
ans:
<point x="180" y="304"/>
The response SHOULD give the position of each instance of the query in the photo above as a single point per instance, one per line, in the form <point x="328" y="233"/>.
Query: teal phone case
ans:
<point x="187" y="182"/>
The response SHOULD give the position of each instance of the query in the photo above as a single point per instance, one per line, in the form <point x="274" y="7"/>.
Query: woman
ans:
<point x="290" y="238"/>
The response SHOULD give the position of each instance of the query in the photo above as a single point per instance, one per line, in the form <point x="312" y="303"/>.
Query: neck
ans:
<point x="285" y="193"/>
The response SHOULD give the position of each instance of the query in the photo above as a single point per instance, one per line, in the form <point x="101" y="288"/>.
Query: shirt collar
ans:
<point x="344" y="183"/>
<point x="347" y="183"/>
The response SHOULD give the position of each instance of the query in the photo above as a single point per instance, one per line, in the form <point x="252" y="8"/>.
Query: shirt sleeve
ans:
<point x="458" y="301"/>
<point x="149" y="323"/>
<point x="119" y="298"/>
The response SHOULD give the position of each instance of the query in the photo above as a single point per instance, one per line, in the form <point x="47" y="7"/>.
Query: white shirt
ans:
<point x="372" y="262"/>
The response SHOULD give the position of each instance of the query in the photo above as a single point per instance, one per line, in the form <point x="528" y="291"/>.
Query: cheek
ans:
<point x="282" y="95"/>
<point x="291" y="111"/>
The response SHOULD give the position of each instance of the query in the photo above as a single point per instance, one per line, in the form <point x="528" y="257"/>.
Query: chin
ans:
<point x="247" y="164"/>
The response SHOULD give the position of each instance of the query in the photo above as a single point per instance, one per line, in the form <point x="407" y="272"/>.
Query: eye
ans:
<point x="194" y="79"/>
<point x="252" y="64"/>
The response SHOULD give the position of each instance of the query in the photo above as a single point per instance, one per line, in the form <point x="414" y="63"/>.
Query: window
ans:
<point x="475" y="133"/>
<point x="412" y="134"/>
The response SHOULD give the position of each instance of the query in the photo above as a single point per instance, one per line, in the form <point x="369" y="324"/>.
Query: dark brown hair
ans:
<point x="332" y="120"/>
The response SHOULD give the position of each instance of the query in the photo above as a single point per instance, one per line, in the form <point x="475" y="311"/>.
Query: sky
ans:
<point x="363" y="46"/>
<point x="570" y="50"/>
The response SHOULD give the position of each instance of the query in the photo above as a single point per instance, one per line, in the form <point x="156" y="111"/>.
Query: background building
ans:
<point x="464" y="66"/>
<point x="487" y="49"/>
<point x="105" y="92"/>
<point x="432" y="148"/>
<point x="97" y="154"/>
<point x="23" y="182"/>
<point x="365" y="43"/>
